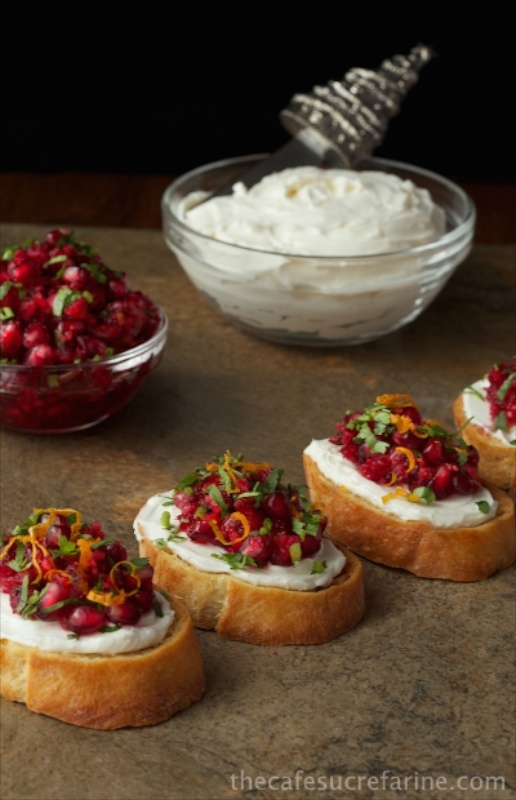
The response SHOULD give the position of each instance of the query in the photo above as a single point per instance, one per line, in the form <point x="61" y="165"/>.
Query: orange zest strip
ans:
<point x="39" y="530"/>
<point x="35" y="546"/>
<point x="239" y="517"/>
<point x="397" y="400"/>
<point x="400" y="492"/>
<point x="50" y="575"/>
<point x="247" y="466"/>
<point x="402" y="424"/>
<point x="409" y="455"/>
<point x="8" y="546"/>
<point x="118" y="595"/>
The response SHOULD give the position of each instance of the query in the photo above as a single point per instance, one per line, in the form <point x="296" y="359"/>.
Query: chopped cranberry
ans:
<point x="35" y="333"/>
<point x="11" y="338"/>
<point x="116" y="552"/>
<point x="283" y="549"/>
<point x="9" y="578"/>
<point x="259" y="548"/>
<point x="25" y="271"/>
<point x="41" y="355"/>
<point x="277" y="505"/>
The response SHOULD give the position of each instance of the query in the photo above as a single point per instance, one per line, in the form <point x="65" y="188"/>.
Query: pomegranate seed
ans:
<point x="127" y="613"/>
<point x="54" y="593"/>
<point x="84" y="620"/>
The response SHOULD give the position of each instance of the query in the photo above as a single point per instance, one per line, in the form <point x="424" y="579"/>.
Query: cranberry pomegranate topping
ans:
<point x="57" y="568"/>
<point x="501" y="395"/>
<point x="63" y="315"/>
<point x="390" y="444"/>
<point x="244" y="509"/>
<point x="60" y="304"/>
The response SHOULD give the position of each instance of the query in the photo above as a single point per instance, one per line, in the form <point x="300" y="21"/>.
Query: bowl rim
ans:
<point x="466" y="225"/>
<point x="119" y="358"/>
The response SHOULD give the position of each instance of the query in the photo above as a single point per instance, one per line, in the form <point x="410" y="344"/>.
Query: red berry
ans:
<point x="40" y="356"/>
<point x="11" y="338"/>
<point x="127" y="613"/>
<point x="85" y="619"/>
<point x="276" y="504"/>
<point x="35" y="333"/>
<point x="55" y="592"/>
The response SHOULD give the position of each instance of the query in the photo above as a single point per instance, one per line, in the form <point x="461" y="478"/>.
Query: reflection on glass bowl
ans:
<point x="66" y="398"/>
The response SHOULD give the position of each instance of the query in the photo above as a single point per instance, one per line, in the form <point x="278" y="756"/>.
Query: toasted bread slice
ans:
<point x="238" y="610"/>
<point x="108" y="691"/>
<point x="458" y="554"/>
<point x="497" y="460"/>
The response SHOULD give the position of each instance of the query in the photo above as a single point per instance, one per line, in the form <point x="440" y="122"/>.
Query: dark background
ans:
<point x="162" y="88"/>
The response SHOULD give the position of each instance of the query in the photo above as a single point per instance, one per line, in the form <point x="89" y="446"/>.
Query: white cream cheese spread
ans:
<point x="308" y="267"/>
<point x="454" y="512"/>
<point x="476" y="409"/>
<point x="300" y="577"/>
<point x="316" y="212"/>
<point x="49" y="636"/>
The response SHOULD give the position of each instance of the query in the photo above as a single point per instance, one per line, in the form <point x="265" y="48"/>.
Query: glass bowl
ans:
<point x="317" y="300"/>
<point x="66" y="398"/>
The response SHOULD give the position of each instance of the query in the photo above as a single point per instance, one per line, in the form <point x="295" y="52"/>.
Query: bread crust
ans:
<point x="497" y="461"/>
<point x="107" y="692"/>
<point x="457" y="554"/>
<point x="261" y="615"/>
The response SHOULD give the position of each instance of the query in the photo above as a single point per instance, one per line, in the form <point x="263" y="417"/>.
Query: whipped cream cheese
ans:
<point x="317" y="212"/>
<point x="299" y="577"/>
<point x="149" y="631"/>
<point x="308" y="266"/>
<point x="455" y="512"/>
<point x="477" y="410"/>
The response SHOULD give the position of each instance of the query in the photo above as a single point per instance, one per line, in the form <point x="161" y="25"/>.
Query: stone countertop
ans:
<point x="417" y="700"/>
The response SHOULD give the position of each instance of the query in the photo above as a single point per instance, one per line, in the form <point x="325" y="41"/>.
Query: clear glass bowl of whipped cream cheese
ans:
<point x="318" y="257"/>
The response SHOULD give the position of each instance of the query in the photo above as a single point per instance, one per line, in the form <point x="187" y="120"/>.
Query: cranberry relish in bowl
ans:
<point x="249" y="555"/>
<point x="76" y="342"/>
<point x="404" y="491"/>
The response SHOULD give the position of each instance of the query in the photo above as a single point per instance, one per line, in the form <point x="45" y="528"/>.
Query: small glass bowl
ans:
<point x="67" y="398"/>
<point x="318" y="300"/>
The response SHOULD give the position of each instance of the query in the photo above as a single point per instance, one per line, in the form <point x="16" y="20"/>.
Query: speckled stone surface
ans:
<point x="416" y="701"/>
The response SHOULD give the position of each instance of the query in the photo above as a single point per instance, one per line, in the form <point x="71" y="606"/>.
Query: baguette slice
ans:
<point x="457" y="554"/>
<point x="497" y="461"/>
<point x="256" y="614"/>
<point x="106" y="692"/>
